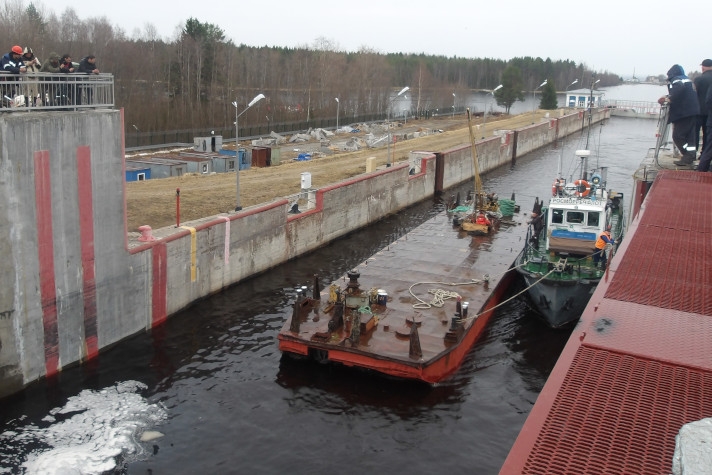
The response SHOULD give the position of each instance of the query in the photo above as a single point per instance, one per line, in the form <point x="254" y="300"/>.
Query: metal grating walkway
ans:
<point x="639" y="364"/>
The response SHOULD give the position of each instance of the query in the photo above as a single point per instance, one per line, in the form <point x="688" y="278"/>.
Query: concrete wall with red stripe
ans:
<point x="66" y="272"/>
<point x="73" y="281"/>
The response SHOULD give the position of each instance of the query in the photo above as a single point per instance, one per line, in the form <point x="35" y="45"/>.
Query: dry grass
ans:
<point x="153" y="202"/>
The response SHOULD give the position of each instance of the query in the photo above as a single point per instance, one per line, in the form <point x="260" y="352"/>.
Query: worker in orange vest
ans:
<point x="600" y="254"/>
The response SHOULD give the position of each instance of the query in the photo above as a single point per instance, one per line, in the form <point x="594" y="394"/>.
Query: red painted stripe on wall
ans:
<point x="45" y="255"/>
<point x="86" y="233"/>
<point x="159" y="289"/>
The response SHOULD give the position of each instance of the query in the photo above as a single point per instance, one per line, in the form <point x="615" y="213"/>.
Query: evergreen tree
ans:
<point x="548" y="96"/>
<point x="511" y="90"/>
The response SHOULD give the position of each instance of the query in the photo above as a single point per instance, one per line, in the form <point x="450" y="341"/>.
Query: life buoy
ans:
<point x="582" y="188"/>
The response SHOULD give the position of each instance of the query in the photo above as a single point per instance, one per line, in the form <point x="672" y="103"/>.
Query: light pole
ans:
<point x="338" y="105"/>
<point x="254" y="101"/>
<point x="137" y="131"/>
<point x="566" y="92"/>
<point x="534" y="107"/>
<point x="388" y="119"/>
<point x="592" y="86"/>
<point x="453" y="104"/>
<point x="484" y="122"/>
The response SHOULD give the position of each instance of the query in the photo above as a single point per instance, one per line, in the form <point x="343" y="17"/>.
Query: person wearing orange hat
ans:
<point x="12" y="63"/>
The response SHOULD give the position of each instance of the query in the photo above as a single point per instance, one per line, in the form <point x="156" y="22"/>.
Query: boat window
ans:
<point x="557" y="216"/>
<point x="593" y="218"/>
<point x="575" y="217"/>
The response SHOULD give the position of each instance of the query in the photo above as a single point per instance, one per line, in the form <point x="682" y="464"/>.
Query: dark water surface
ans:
<point x="213" y="381"/>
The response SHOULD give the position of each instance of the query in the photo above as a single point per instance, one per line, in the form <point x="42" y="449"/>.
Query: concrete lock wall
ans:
<point x="72" y="282"/>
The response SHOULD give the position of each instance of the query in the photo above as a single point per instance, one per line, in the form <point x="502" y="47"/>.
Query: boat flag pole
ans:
<point x="478" y="202"/>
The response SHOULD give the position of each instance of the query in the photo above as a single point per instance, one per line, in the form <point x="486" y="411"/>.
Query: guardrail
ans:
<point x="44" y="91"/>
<point x="639" y="107"/>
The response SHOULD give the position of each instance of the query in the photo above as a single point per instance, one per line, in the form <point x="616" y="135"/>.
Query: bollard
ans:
<point x="146" y="235"/>
<point x="177" y="207"/>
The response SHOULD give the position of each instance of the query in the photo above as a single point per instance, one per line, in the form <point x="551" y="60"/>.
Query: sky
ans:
<point x="619" y="37"/>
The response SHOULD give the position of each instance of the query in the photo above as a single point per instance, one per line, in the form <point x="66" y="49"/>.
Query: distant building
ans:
<point x="582" y="97"/>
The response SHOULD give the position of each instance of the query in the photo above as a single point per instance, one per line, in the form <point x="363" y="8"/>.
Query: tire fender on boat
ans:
<point x="583" y="188"/>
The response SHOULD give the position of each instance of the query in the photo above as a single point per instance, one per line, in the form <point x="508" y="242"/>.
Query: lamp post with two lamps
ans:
<point x="453" y="104"/>
<point x="254" y="101"/>
<point x="338" y="105"/>
<point x="388" y="118"/>
<point x="484" y="121"/>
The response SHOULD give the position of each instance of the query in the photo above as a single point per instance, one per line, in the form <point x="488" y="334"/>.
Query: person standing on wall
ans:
<point x="702" y="84"/>
<point x="683" y="112"/>
<point x="66" y="91"/>
<point x="32" y="65"/>
<point x="87" y="66"/>
<point x="12" y="63"/>
<point x="706" y="157"/>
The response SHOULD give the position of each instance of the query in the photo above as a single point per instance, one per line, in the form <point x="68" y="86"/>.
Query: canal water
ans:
<point x="209" y="392"/>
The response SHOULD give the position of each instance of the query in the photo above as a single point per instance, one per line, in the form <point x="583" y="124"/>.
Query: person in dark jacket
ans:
<point x="66" y="66"/>
<point x="12" y="63"/>
<point x="683" y="112"/>
<point x="87" y="66"/>
<point x="702" y="84"/>
<point x="706" y="157"/>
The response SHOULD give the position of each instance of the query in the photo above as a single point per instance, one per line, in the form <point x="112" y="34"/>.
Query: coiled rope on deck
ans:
<point x="439" y="295"/>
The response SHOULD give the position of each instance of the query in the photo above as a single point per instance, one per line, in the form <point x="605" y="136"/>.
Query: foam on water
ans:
<point x="93" y="430"/>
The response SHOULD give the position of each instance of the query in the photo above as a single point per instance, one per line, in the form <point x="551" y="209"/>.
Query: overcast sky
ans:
<point x="618" y="36"/>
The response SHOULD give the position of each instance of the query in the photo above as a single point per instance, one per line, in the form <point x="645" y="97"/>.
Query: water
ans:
<point x="212" y="393"/>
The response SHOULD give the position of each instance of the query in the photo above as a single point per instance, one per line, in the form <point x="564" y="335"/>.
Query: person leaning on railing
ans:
<point x="65" y="67"/>
<point x="32" y="65"/>
<point x="52" y="91"/>
<point x="12" y="63"/>
<point x="87" y="66"/>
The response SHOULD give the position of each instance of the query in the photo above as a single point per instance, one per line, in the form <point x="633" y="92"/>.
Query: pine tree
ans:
<point x="511" y="90"/>
<point x="548" y="97"/>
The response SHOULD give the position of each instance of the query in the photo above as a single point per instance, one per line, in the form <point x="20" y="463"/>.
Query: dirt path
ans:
<point x="153" y="202"/>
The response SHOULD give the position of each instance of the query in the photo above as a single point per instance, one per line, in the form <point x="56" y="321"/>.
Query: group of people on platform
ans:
<point x="21" y="61"/>
<point x="690" y="111"/>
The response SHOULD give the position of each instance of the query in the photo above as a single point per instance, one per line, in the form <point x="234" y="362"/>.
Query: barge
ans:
<point x="414" y="309"/>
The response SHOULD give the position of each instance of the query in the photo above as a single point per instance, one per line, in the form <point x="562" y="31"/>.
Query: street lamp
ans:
<point x="254" y="101"/>
<point x="453" y="104"/>
<point x="534" y="108"/>
<point x="590" y="102"/>
<point x="137" y="131"/>
<point x="566" y="92"/>
<point x="388" y="119"/>
<point x="338" y="105"/>
<point x="484" y="122"/>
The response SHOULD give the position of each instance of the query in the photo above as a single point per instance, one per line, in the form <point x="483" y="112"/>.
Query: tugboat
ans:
<point x="564" y="256"/>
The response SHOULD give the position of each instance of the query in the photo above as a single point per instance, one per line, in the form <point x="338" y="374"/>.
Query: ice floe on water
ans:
<point x="91" y="434"/>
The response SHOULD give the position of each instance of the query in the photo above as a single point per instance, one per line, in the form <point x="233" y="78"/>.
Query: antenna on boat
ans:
<point x="479" y="194"/>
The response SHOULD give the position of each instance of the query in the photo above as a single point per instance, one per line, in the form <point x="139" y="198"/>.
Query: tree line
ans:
<point x="192" y="80"/>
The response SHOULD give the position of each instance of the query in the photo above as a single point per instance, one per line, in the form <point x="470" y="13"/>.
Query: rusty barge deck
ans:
<point x="404" y="334"/>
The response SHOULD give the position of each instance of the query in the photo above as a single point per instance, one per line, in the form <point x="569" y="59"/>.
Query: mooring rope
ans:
<point x="510" y="298"/>
<point x="439" y="295"/>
